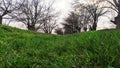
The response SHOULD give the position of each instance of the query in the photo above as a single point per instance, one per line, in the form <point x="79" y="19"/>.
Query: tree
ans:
<point x="94" y="10"/>
<point x="71" y="25"/>
<point x="48" y="26"/>
<point x="6" y="7"/>
<point x="85" y="16"/>
<point x="49" y="21"/>
<point x="77" y="20"/>
<point x="34" y="12"/>
<point x="59" y="31"/>
<point x="116" y="6"/>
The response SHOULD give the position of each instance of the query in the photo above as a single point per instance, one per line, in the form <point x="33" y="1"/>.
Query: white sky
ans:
<point x="64" y="7"/>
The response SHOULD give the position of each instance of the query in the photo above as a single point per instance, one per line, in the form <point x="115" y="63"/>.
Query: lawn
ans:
<point x="27" y="49"/>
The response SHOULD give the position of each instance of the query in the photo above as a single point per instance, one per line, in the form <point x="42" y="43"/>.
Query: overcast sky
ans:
<point x="64" y="7"/>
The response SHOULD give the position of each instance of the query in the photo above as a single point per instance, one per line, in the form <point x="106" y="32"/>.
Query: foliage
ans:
<point x="72" y="24"/>
<point x="27" y="49"/>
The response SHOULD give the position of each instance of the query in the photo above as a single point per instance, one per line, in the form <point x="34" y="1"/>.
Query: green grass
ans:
<point x="27" y="49"/>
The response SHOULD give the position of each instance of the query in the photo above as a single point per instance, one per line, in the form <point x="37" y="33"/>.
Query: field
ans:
<point x="27" y="49"/>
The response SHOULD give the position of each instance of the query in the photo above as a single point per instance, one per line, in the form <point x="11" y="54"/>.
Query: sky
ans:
<point x="64" y="7"/>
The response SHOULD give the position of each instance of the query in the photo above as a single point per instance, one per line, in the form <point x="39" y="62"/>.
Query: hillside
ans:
<point x="27" y="49"/>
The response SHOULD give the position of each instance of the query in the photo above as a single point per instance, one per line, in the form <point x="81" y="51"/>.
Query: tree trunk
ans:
<point x="94" y="23"/>
<point x="1" y="19"/>
<point x="31" y="27"/>
<point x="94" y="26"/>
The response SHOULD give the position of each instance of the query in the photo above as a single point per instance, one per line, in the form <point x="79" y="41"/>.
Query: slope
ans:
<point x="27" y="49"/>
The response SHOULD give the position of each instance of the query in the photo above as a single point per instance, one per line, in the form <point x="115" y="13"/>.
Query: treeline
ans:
<point x="86" y="15"/>
<point x="38" y="15"/>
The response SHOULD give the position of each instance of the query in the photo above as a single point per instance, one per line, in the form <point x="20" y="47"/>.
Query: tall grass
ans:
<point x="27" y="49"/>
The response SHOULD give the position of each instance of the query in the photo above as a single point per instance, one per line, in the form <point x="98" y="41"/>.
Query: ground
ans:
<point x="95" y="49"/>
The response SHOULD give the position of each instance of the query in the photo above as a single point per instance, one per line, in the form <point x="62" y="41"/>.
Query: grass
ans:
<point x="27" y="49"/>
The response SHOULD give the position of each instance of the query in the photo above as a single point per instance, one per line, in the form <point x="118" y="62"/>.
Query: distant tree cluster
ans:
<point x="85" y="16"/>
<point x="35" y="14"/>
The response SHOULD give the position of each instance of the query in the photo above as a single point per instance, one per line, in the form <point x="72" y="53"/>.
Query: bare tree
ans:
<point x="116" y="6"/>
<point x="49" y="21"/>
<point x="84" y="17"/>
<point x="48" y="26"/>
<point x="32" y="13"/>
<point x="6" y="7"/>
<point x="95" y="11"/>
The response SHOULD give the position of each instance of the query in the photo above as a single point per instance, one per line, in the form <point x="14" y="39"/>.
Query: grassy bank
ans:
<point x="27" y="49"/>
